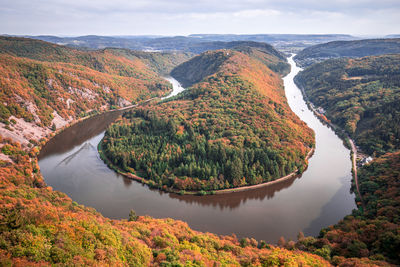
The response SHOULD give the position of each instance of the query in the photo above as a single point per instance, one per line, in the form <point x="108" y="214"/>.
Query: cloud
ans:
<point x="192" y="16"/>
<point x="251" y="13"/>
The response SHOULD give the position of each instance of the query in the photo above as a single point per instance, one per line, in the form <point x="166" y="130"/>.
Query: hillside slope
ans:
<point x="373" y="232"/>
<point x="361" y="96"/>
<point x="233" y="127"/>
<point x="336" y="49"/>
<point x="45" y="227"/>
<point x="42" y="227"/>
<point x="121" y="62"/>
<point x="45" y="86"/>
<point x="193" y="71"/>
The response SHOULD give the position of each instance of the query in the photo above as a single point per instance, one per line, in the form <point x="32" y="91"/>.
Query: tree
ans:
<point x="132" y="216"/>
<point x="281" y="242"/>
<point x="300" y="235"/>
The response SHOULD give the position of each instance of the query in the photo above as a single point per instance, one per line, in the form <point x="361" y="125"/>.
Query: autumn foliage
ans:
<point x="40" y="81"/>
<point x="362" y="96"/>
<point x="232" y="127"/>
<point x="41" y="226"/>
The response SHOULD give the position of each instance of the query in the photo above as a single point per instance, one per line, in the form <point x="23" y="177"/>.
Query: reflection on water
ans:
<point x="78" y="133"/>
<point x="320" y="197"/>
<point x="234" y="200"/>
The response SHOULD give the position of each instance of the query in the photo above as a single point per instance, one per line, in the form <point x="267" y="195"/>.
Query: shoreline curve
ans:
<point x="198" y="192"/>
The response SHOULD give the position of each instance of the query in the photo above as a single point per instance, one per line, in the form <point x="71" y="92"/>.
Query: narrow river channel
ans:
<point x="320" y="197"/>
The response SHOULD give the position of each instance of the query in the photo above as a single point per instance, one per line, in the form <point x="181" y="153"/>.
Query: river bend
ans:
<point x="320" y="197"/>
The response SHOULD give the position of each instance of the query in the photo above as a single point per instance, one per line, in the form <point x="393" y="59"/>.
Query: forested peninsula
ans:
<point x="45" y="87"/>
<point x="231" y="128"/>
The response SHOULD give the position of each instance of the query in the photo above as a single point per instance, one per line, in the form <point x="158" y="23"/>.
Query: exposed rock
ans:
<point x="59" y="121"/>
<point x="106" y="89"/>
<point x="122" y="102"/>
<point x="23" y="131"/>
<point x="5" y="158"/>
<point x="69" y="102"/>
<point x="84" y="92"/>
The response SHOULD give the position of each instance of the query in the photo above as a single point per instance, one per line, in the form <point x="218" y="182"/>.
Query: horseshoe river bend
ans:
<point x="320" y="197"/>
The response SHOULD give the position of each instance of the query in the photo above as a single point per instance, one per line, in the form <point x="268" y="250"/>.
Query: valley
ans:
<point x="82" y="172"/>
<point x="239" y="121"/>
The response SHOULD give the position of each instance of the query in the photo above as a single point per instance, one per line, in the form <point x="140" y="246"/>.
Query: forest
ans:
<point x="65" y="88"/>
<point x="42" y="81"/>
<point x="373" y="230"/>
<point x="41" y="227"/>
<point x="361" y="96"/>
<point x="231" y="128"/>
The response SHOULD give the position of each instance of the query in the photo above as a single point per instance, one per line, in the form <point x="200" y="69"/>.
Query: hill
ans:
<point x="193" y="43"/>
<point x="353" y="49"/>
<point x="361" y="96"/>
<point x="373" y="230"/>
<point x="121" y="62"/>
<point x="45" y="86"/>
<point x="195" y="70"/>
<point x="43" y="227"/>
<point x="233" y="127"/>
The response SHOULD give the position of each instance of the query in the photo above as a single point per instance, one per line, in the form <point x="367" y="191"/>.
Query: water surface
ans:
<point x="320" y="197"/>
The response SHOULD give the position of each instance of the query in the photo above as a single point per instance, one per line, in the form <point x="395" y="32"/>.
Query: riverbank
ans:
<point x="347" y="141"/>
<point x="279" y="180"/>
<point x="46" y="139"/>
<point x="151" y="184"/>
<point x="319" y="199"/>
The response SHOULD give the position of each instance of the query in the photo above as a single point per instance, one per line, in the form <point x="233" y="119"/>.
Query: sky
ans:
<point x="183" y="17"/>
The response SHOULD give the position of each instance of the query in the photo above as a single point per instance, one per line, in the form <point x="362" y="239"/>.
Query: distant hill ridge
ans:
<point x="358" y="48"/>
<point x="196" y="43"/>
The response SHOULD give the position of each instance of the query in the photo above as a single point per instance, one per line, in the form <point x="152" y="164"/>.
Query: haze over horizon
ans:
<point x="184" y="17"/>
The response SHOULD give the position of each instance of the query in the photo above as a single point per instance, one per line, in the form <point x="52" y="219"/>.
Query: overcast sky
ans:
<point x="183" y="17"/>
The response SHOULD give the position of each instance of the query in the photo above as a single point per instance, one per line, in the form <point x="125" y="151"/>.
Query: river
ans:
<point x="320" y="197"/>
